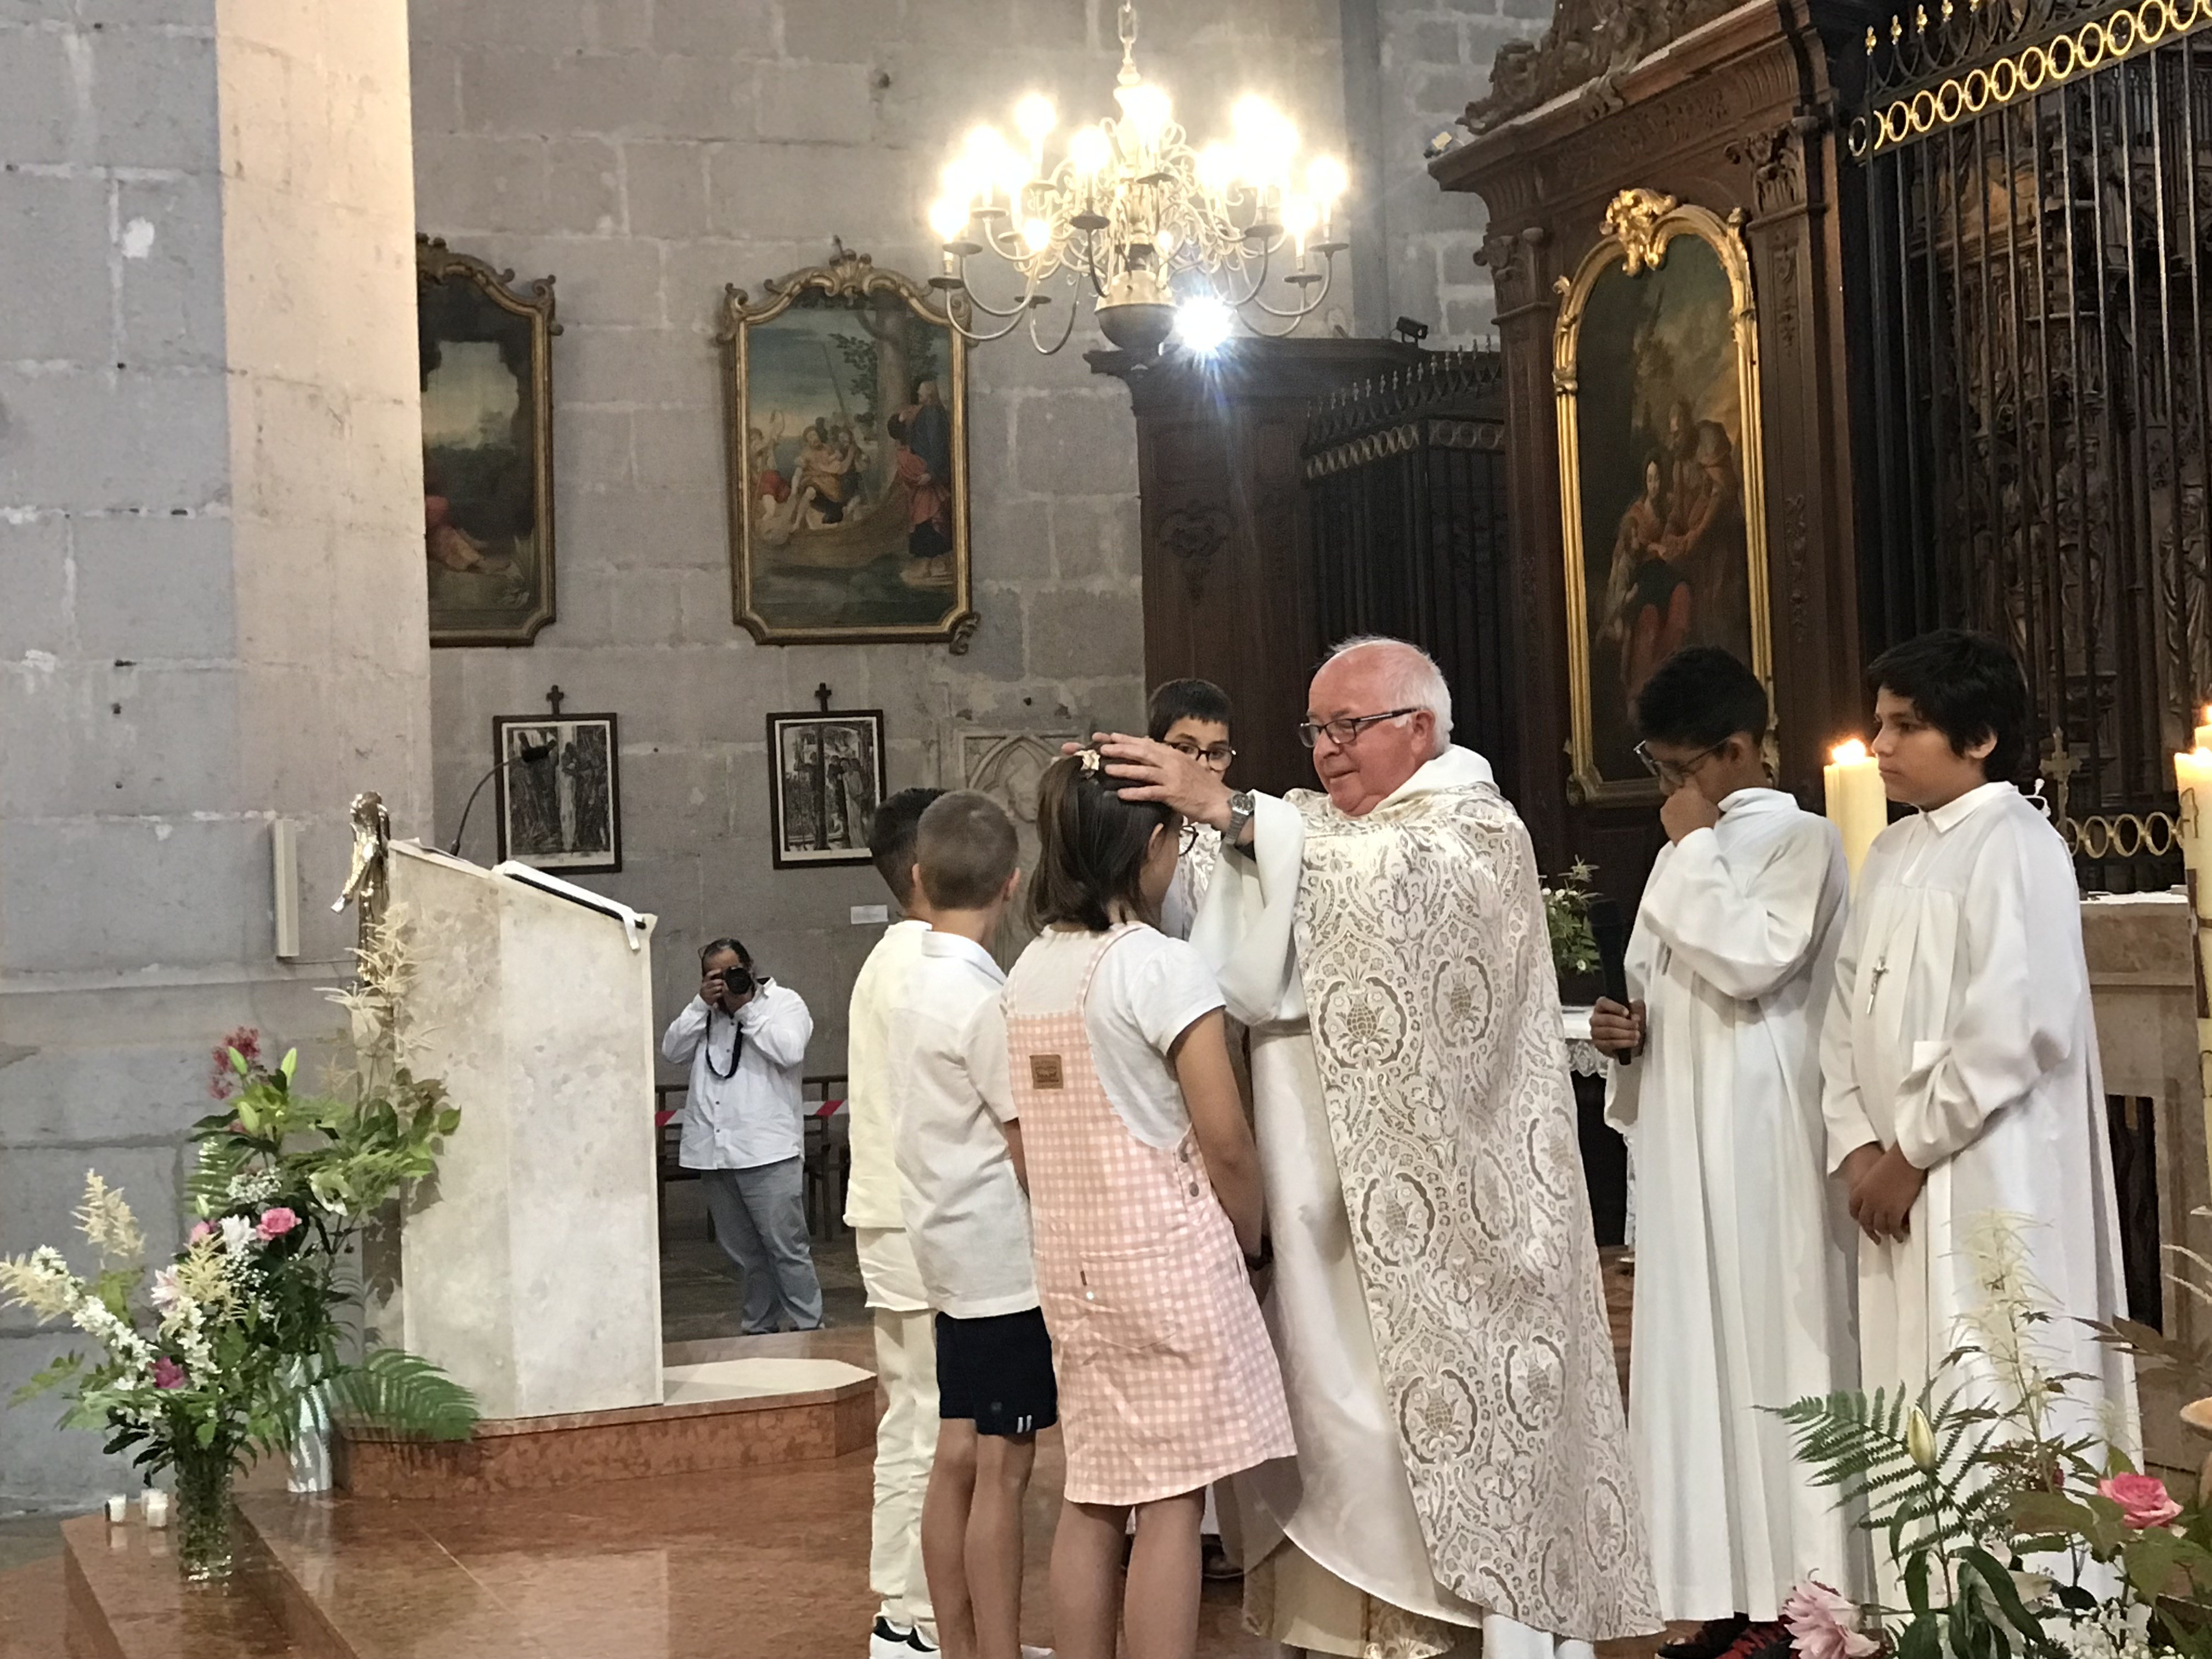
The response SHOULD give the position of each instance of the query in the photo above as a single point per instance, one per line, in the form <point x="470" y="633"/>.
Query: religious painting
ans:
<point x="848" y="458"/>
<point x="559" y="795"/>
<point x="826" y="779"/>
<point x="1655" y="367"/>
<point x="485" y="358"/>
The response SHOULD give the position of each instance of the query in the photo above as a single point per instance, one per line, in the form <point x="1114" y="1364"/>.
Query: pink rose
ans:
<point x="275" y="1223"/>
<point x="2143" y="1499"/>
<point x="167" y="1374"/>
<point x="1824" y="1625"/>
<point x="200" y="1230"/>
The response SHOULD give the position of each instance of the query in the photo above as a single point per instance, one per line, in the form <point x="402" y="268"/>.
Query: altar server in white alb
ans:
<point x="1960" y="1053"/>
<point x="1742" y="1289"/>
<point x="1461" y="1482"/>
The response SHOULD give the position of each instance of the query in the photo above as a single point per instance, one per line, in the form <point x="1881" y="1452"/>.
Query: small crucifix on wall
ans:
<point x="554" y="699"/>
<point x="822" y="697"/>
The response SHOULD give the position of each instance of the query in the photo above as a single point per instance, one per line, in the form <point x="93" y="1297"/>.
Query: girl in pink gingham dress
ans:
<point x="1145" y="1213"/>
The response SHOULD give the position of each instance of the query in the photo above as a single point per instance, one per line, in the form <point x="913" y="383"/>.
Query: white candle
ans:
<point x="2192" y="777"/>
<point x="157" y="1509"/>
<point x="118" y="1510"/>
<point x="1858" y="805"/>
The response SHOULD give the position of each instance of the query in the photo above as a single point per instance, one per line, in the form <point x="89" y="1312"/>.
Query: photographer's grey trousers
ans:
<point x="760" y="1222"/>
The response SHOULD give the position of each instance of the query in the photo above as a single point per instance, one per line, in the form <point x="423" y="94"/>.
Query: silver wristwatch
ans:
<point x="1240" y="815"/>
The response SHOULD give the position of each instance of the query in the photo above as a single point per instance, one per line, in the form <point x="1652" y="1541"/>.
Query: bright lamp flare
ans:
<point x="1204" y="324"/>
<point x="949" y="219"/>
<point x="1132" y="213"/>
<point x="1034" y="119"/>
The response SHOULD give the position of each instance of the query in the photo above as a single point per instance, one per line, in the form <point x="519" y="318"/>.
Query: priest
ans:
<point x="1462" y="1473"/>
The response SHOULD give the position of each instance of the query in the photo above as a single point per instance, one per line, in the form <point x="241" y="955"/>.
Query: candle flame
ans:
<point x="2208" y="714"/>
<point x="1848" y="754"/>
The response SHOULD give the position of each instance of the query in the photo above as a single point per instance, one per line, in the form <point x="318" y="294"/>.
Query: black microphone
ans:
<point x="1610" y="930"/>
<point x="529" y="754"/>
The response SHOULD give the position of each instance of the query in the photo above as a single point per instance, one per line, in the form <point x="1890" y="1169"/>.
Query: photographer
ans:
<point x="745" y="1038"/>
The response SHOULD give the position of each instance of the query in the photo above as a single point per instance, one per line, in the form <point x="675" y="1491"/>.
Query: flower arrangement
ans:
<point x="1566" y="916"/>
<point x="244" y="1336"/>
<point x="2014" y="1530"/>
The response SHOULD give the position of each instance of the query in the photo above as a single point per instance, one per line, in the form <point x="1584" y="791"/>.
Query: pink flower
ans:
<point x="167" y="1374"/>
<point x="1824" y="1625"/>
<point x="200" y="1230"/>
<point x="223" y="1075"/>
<point x="2143" y="1499"/>
<point x="275" y="1223"/>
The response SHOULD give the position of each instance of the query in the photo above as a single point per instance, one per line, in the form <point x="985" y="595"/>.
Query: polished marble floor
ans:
<point x="767" y="1564"/>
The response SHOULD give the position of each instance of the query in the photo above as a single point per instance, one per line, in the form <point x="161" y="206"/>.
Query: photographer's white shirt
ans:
<point x="752" y="1117"/>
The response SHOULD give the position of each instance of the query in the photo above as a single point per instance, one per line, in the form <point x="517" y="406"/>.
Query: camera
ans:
<point x="738" y="981"/>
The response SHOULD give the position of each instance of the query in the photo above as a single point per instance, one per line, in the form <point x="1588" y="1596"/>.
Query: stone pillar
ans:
<point x="211" y="590"/>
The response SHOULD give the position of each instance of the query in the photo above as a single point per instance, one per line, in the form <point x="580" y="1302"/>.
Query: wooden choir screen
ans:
<point x="2038" y="452"/>
<point x="1405" y="479"/>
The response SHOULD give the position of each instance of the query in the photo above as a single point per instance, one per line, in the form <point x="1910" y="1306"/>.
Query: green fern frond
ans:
<point x="405" y="1394"/>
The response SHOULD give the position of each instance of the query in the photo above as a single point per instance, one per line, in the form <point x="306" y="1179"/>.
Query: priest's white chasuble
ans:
<point x="1463" y="1457"/>
<point x="1960" y="1030"/>
<point x="1743" y="1292"/>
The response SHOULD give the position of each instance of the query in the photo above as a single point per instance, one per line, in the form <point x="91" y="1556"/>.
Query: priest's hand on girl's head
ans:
<point x="1152" y="771"/>
<point x="1883" y="1196"/>
<point x="1617" y="1028"/>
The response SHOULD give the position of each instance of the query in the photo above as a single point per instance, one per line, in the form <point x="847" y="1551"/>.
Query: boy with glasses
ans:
<point x="1742" y="1299"/>
<point x="1192" y="717"/>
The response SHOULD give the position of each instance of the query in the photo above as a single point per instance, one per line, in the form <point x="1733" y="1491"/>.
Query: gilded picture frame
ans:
<point x="485" y="360"/>
<point x="847" y="451"/>
<point x="1661" y="472"/>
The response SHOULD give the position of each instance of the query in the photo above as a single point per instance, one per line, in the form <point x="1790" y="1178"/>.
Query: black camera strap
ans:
<point x="737" y="1043"/>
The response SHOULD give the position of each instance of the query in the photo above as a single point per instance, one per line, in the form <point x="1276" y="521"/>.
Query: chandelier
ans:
<point x="1167" y="238"/>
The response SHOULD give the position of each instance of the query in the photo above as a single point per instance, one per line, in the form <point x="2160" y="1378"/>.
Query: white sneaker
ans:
<point x="888" y="1641"/>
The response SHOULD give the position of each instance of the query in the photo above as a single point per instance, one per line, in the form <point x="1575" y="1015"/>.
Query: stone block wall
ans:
<point x="644" y="154"/>
<point x="210" y="574"/>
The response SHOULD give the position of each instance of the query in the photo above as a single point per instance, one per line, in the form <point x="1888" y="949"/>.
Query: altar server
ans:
<point x="1960" y="1052"/>
<point x="1742" y="1291"/>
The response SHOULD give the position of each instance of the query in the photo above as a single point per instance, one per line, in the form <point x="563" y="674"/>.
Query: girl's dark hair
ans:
<point x="1090" y="848"/>
<point x="1187" y="699"/>
<point x="1968" y="687"/>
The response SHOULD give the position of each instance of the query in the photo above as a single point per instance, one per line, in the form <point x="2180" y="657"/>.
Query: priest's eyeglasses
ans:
<point x="1674" y="774"/>
<point x="1342" y="732"/>
<point x="1186" y="842"/>
<point x="1218" y="757"/>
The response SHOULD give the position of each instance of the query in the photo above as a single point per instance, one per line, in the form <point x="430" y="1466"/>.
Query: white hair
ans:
<point x="1411" y="679"/>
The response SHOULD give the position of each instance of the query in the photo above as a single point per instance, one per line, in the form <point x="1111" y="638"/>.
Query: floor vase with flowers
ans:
<point x="206" y="1552"/>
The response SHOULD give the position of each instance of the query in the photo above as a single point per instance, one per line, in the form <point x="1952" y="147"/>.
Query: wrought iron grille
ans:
<point x="2039" y="217"/>
<point x="1405" y="481"/>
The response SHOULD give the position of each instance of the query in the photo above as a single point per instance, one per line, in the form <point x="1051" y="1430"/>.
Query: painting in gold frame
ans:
<point x="485" y="358"/>
<point x="1656" y="372"/>
<point x="847" y="458"/>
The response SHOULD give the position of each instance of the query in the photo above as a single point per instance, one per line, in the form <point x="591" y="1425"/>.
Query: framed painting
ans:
<point x="826" y="778"/>
<point x="485" y="352"/>
<point x="559" y="792"/>
<point x="848" y="458"/>
<point x="1656" y="369"/>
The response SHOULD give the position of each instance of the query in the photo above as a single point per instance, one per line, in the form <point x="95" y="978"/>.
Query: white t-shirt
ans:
<point x="966" y="1214"/>
<point x="1150" y="990"/>
<point x="872" y="1195"/>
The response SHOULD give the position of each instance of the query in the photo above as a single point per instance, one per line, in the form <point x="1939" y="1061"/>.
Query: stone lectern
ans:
<point x="530" y="1268"/>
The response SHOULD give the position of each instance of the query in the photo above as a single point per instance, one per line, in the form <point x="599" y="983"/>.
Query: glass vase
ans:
<point x="204" y="1517"/>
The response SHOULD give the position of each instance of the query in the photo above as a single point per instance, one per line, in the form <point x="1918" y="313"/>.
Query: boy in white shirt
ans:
<point x="1960" y="1051"/>
<point x="1742" y="1298"/>
<point x="905" y="1343"/>
<point x="966" y="1218"/>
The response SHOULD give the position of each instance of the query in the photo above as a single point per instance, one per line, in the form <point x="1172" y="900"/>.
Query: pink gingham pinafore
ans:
<point x="1168" y="1381"/>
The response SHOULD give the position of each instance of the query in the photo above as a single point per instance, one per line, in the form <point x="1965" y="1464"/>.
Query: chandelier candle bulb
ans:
<point x="1858" y="804"/>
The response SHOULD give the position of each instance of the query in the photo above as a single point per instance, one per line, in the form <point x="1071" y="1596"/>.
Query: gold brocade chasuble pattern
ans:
<point x="1435" y="1017"/>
